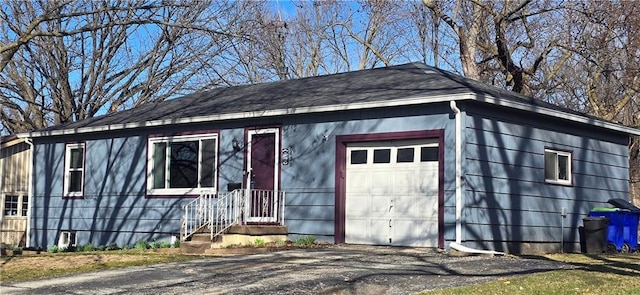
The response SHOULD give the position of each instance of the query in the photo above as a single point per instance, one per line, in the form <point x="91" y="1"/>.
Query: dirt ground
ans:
<point x="337" y="269"/>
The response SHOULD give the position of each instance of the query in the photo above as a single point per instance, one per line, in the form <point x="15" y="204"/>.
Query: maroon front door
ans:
<point x="262" y="176"/>
<point x="263" y="161"/>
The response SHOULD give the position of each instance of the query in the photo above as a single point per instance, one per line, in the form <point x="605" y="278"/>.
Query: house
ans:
<point x="15" y="156"/>
<point x="407" y="155"/>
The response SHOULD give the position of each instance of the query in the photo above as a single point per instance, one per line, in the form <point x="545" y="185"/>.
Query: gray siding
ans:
<point x="115" y="208"/>
<point x="506" y="197"/>
<point x="309" y="179"/>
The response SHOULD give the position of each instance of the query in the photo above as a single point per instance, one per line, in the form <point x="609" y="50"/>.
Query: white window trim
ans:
<point x="21" y="197"/>
<point x="557" y="153"/>
<point x="67" y="171"/>
<point x="65" y="239"/>
<point x="179" y="138"/>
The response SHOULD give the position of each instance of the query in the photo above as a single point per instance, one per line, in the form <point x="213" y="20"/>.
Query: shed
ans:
<point x="15" y="167"/>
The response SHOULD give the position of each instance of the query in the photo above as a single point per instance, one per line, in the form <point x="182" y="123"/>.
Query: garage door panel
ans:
<point x="358" y="230"/>
<point x="415" y="233"/>
<point x="380" y="205"/>
<point x="395" y="200"/>
<point x="420" y="206"/>
<point x="359" y="182"/>
<point x="380" y="231"/>
<point x="405" y="181"/>
<point x="368" y="231"/>
<point x="428" y="178"/>
<point x="359" y="206"/>
<point x="380" y="181"/>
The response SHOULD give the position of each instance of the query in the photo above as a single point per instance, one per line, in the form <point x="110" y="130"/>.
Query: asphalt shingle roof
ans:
<point x="367" y="86"/>
<point x="380" y="84"/>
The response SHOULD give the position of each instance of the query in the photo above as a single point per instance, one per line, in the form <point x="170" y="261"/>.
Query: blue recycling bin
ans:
<point x="630" y="230"/>
<point x="622" y="232"/>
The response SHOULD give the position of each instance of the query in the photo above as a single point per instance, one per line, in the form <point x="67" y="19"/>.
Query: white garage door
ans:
<point x="392" y="193"/>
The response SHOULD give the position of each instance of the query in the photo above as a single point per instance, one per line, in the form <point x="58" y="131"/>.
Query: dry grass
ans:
<point x="23" y="268"/>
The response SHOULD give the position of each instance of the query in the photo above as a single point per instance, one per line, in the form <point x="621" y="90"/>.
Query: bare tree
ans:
<point x="501" y="42"/>
<point x="309" y="36"/>
<point x="601" y="76"/>
<point x="68" y="60"/>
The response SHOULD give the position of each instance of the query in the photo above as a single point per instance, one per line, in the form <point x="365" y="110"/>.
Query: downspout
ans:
<point x="458" y="143"/>
<point x="457" y="245"/>
<point x="29" y="142"/>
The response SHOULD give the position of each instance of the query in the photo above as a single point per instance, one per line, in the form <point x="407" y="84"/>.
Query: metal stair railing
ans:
<point x="222" y="210"/>
<point x="197" y="214"/>
<point x="264" y="206"/>
<point x="227" y="212"/>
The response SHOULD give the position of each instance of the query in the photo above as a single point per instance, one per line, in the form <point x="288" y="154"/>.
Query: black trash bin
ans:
<point x="595" y="231"/>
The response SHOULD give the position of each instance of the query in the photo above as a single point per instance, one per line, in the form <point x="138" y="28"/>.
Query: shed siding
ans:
<point x="506" y="197"/>
<point x="14" y="182"/>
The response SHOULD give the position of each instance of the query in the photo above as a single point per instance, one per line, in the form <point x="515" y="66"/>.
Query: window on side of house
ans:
<point x="557" y="166"/>
<point x="11" y="205"/>
<point x="67" y="239"/>
<point x="74" y="170"/>
<point x="15" y="205"/>
<point x="25" y="205"/>
<point x="180" y="165"/>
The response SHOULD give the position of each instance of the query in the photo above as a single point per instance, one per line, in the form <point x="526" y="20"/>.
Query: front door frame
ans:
<point x="249" y="133"/>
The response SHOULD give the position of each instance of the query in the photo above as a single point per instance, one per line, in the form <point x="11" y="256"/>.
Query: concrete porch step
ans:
<point x="235" y="235"/>
<point x="194" y="247"/>
<point x="257" y="230"/>
<point x="201" y="237"/>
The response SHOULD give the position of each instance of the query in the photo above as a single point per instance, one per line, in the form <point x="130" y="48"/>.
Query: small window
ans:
<point x="359" y="157"/>
<point x="74" y="170"/>
<point x="382" y="156"/>
<point x="25" y="205"/>
<point x="405" y="155"/>
<point x="15" y="205"/>
<point x="428" y="154"/>
<point x="67" y="239"/>
<point x="11" y="205"/>
<point x="557" y="166"/>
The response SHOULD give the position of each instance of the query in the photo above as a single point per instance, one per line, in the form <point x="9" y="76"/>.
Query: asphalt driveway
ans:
<point x="336" y="269"/>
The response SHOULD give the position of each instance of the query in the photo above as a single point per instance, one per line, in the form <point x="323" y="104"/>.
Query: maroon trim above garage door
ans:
<point x="341" y="162"/>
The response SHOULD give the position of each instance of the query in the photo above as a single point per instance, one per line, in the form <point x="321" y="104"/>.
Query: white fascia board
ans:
<point x="557" y="113"/>
<point x="256" y="114"/>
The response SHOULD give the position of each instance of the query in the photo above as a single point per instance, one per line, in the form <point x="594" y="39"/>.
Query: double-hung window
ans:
<point x="15" y="205"/>
<point x="74" y="170"/>
<point x="557" y="166"/>
<point x="180" y="165"/>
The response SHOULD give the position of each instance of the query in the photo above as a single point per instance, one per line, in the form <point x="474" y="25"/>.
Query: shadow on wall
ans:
<point x="509" y="201"/>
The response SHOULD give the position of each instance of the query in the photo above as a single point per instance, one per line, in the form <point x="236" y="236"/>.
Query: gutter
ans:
<point x="457" y="245"/>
